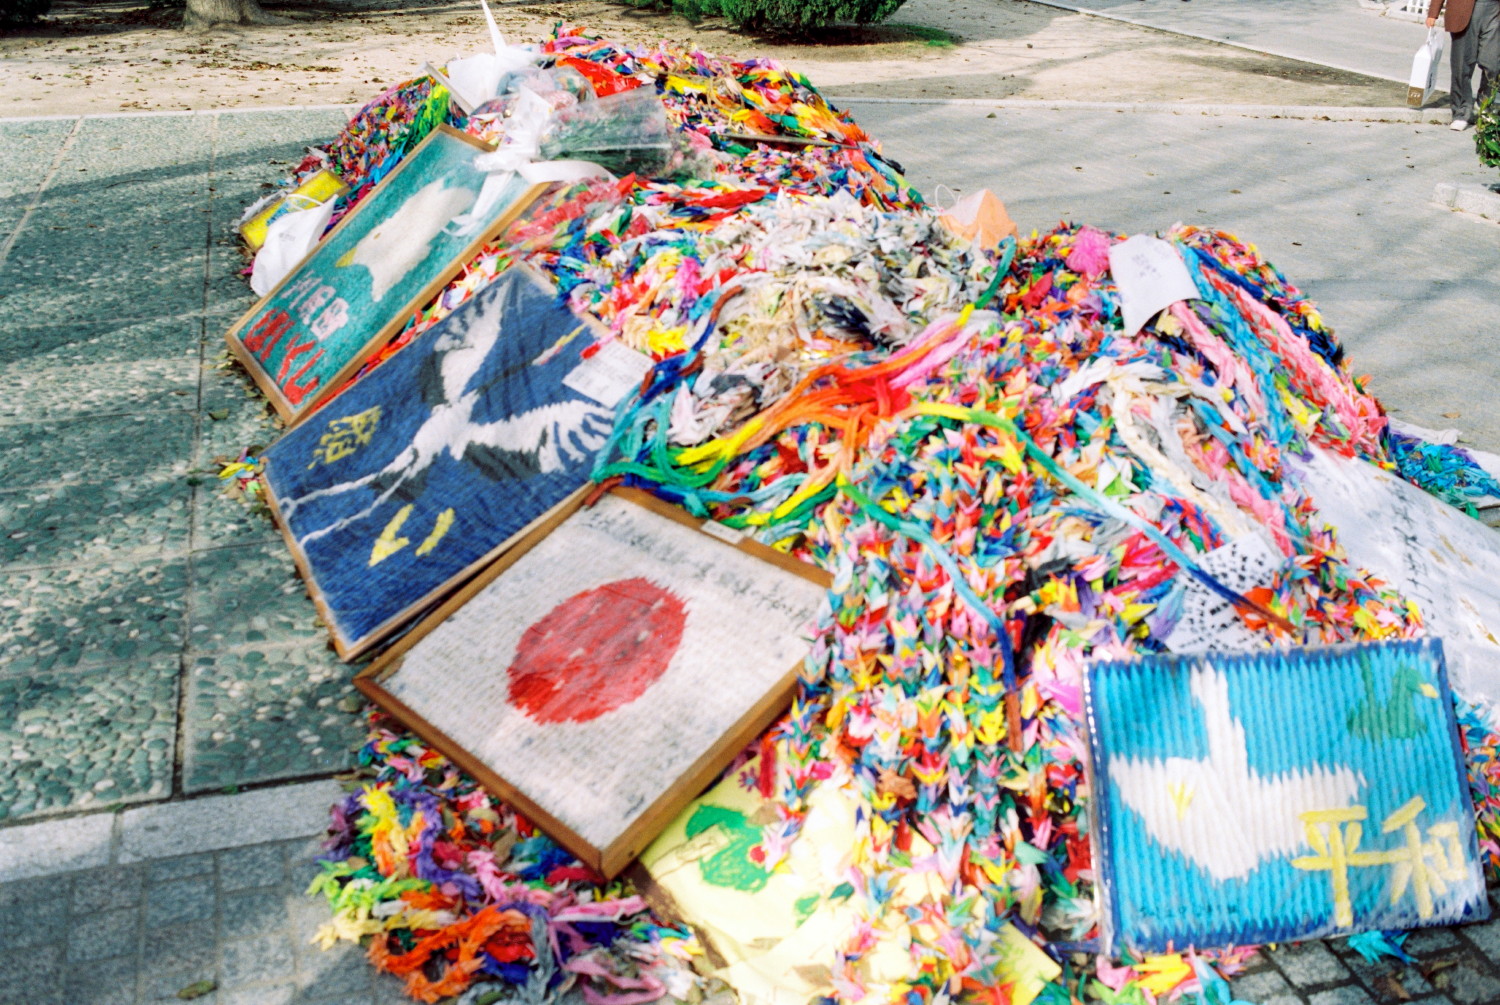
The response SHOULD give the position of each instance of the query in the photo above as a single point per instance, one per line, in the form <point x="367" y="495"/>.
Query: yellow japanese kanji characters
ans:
<point x="344" y="436"/>
<point x="1425" y="866"/>
<point x="388" y="543"/>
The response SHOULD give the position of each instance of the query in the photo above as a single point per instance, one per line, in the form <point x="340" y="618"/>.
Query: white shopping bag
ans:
<point x="1424" y="68"/>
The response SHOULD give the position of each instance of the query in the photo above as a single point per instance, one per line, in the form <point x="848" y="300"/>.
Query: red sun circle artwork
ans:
<point x="596" y="651"/>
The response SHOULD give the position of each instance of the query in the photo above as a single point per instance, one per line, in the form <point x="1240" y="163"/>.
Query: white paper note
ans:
<point x="1209" y="622"/>
<point x="1151" y="276"/>
<point x="609" y="374"/>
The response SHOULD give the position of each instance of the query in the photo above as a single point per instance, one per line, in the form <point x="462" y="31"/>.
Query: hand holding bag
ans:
<point x="1424" y="68"/>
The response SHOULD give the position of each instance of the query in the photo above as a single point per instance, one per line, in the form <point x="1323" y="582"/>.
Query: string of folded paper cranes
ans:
<point x="1003" y="483"/>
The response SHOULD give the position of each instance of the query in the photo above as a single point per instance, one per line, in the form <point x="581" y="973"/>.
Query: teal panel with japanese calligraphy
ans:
<point x="1261" y="797"/>
<point x="385" y="260"/>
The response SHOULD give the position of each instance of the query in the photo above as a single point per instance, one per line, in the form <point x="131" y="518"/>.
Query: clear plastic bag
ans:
<point x="624" y="133"/>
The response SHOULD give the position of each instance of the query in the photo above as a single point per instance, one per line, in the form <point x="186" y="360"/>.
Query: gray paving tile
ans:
<point x="1426" y="941"/>
<point x="252" y="868"/>
<point x="180" y="867"/>
<point x="103" y="982"/>
<point x="144" y="212"/>
<point x="264" y="994"/>
<point x="84" y="524"/>
<point x="110" y="888"/>
<point x="119" y="611"/>
<point x="1467" y="984"/>
<point x="46" y="920"/>
<point x="86" y="739"/>
<point x="133" y="449"/>
<point x="261" y="714"/>
<point x="27" y="150"/>
<point x="1341" y="996"/>
<point x="32" y="978"/>
<point x="230" y="820"/>
<point x="309" y="914"/>
<point x="311" y="997"/>
<point x="254" y="137"/>
<point x="179" y="901"/>
<point x="342" y="972"/>
<point x="1309" y="964"/>
<point x="1261" y="985"/>
<point x="176" y="949"/>
<point x="148" y="146"/>
<point x="249" y="596"/>
<point x="1485" y="938"/>
<point x="264" y="960"/>
<point x="31" y="392"/>
<point x="221" y="520"/>
<point x="46" y="848"/>
<point x="104" y="935"/>
<point x="226" y="295"/>
<point x="160" y="987"/>
<point x="235" y="419"/>
<point x="248" y="913"/>
<point x="1388" y="981"/>
<point x="94" y="343"/>
<point x="237" y="415"/>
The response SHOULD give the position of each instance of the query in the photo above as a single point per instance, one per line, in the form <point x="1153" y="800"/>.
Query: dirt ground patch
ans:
<point x="124" y="55"/>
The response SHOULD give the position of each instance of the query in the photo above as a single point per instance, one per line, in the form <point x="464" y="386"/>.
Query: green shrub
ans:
<point x="782" y="15"/>
<point x="14" y="12"/>
<point x="1487" y="128"/>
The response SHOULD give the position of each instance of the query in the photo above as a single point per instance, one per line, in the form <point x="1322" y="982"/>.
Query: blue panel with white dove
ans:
<point x="429" y="465"/>
<point x="1260" y="797"/>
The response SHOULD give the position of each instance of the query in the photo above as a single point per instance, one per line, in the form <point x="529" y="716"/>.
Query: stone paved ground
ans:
<point x="139" y="933"/>
<point x="155" y="643"/>
<point x="239" y="919"/>
<point x="153" y="637"/>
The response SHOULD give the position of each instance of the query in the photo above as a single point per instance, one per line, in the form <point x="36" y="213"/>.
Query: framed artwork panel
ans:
<point x="604" y="671"/>
<point x="387" y="257"/>
<point x="1247" y="798"/>
<point x="414" y="478"/>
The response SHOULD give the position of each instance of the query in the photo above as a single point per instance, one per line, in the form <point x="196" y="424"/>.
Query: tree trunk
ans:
<point x="201" y="15"/>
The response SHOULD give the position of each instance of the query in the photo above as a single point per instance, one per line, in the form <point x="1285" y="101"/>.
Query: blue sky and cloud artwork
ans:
<point x="1259" y="797"/>
<point x="429" y="465"/>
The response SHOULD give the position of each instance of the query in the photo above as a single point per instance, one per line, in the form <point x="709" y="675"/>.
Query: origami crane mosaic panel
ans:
<point x="604" y="676"/>
<point x="1260" y="797"/>
<point x="385" y="259"/>
<point x="405" y="483"/>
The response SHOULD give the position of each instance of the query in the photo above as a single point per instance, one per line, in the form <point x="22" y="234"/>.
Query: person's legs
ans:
<point x="1461" y="59"/>
<point x="1486" y="18"/>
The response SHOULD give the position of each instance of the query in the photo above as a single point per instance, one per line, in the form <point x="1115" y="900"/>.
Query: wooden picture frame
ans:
<point x="401" y="488"/>
<point x="707" y="757"/>
<point x="306" y="318"/>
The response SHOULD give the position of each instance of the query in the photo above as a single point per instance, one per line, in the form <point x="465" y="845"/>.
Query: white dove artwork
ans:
<point x="403" y="240"/>
<point x="1270" y="795"/>
<point x="1191" y="806"/>
<point x="439" y="457"/>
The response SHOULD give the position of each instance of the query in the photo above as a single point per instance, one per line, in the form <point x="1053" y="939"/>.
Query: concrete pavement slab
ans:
<point x="213" y="823"/>
<point x="250" y="597"/>
<point x="69" y="344"/>
<point x="1344" y="209"/>
<point x="1480" y="200"/>
<point x="27" y="156"/>
<point x="1335" y="33"/>
<point x="265" y="713"/>
<point x="55" y="846"/>
<point x="88" y="738"/>
<point x="87" y="524"/>
<point x="124" y="610"/>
